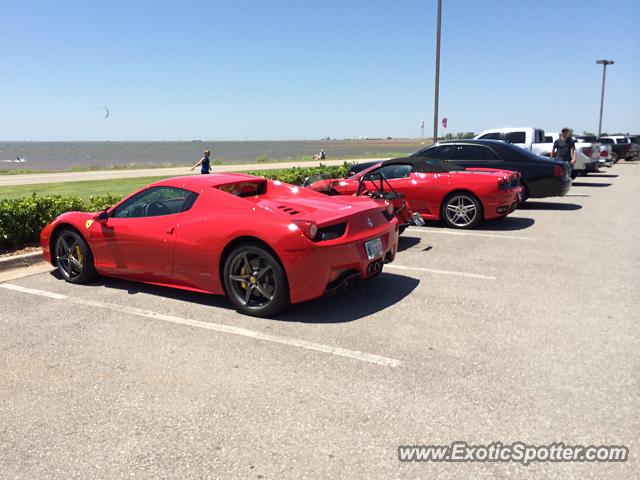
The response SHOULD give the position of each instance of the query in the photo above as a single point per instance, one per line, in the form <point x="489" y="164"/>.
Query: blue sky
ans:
<point x="297" y="69"/>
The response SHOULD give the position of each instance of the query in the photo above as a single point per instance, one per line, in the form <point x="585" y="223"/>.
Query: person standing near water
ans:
<point x="204" y="163"/>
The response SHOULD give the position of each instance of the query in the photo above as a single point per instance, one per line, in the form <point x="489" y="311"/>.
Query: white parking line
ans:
<point x="318" y="347"/>
<point x="466" y="234"/>
<point x="33" y="291"/>
<point x="441" y="272"/>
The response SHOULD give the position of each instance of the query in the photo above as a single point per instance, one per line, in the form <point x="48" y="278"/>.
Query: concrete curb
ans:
<point x="24" y="260"/>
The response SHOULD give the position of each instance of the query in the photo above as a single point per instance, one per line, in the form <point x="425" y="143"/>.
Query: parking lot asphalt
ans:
<point x="524" y="329"/>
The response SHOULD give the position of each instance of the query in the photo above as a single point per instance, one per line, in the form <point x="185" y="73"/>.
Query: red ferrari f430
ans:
<point x="434" y="190"/>
<point x="263" y="243"/>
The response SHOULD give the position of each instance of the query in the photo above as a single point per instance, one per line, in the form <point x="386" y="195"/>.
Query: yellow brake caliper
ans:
<point x="243" y="272"/>
<point x="79" y="254"/>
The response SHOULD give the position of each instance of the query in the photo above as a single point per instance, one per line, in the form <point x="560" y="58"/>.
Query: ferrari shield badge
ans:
<point x="88" y="223"/>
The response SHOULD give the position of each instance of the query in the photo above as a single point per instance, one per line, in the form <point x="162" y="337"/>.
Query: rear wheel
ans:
<point x="73" y="257"/>
<point x="255" y="281"/>
<point x="461" y="210"/>
<point x="614" y="157"/>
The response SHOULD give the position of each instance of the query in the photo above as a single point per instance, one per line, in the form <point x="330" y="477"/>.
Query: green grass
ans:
<point x="83" y="190"/>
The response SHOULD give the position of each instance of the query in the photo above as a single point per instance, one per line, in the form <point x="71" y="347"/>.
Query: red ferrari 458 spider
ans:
<point x="263" y="243"/>
<point x="435" y="190"/>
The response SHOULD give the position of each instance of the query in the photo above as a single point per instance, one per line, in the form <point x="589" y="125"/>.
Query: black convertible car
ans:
<point x="541" y="176"/>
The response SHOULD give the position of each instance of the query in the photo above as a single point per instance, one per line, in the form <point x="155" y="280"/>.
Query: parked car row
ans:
<point x="540" y="176"/>
<point x="623" y="147"/>
<point x="266" y="244"/>
<point x="447" y="181"/>
<point x="434" y="189"/>
<point x="537" y="141"/>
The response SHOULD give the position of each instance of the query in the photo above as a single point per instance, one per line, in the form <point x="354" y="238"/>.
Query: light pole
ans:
<point x="604" y="64"/>
<point x="435" y="104"/>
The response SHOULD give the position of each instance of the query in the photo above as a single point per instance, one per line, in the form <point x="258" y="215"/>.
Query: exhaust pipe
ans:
<point x="374" y="267"/>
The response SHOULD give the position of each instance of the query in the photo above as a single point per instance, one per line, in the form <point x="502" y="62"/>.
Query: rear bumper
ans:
<point x="592" y="166"/>
<point x="607" y="162"/>
<point x="313" y="271"/>
<point x="550" y="187"/>
<point x="501" y="203"/>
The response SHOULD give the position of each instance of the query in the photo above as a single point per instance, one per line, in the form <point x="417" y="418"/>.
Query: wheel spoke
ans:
<point x="65" y="245"/>
<point x="262" y="271"/>
<point x="62" y="264"/>
<point x="69" y="270"/>
<point x="248" y="293"/>
<point x="75" y="263"/>
<point x="245" y="261"/>
<point x="239" y="278"/>
<point x="263" y="292"/>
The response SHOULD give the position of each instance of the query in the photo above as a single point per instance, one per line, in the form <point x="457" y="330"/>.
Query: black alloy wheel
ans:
<point x="73" y="257"/>
<point x="255" y="281"/>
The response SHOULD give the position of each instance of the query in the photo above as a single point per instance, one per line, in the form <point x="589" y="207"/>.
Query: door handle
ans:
<point x="171" y="230"/>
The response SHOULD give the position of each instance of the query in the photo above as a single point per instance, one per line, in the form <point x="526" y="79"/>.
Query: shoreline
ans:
<point x="65" y="177"/>
<point x="56" y="157"/>
<point x="215" y="163"/>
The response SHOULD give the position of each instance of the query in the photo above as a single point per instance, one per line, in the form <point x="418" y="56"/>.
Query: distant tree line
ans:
<point x="459" y="135"/>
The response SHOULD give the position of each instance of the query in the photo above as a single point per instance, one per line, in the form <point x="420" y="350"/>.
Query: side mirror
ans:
<point x="102" y="217"/>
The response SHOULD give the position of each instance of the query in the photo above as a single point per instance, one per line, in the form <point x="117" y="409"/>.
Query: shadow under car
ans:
<point x="591" y="184"/>
<point x="533" y="205"/>
<point x="497" y="224"/>
<point x="359" y="299"/>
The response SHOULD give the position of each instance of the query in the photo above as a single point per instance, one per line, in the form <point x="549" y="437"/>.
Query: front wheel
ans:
<point x="73" y="257"/>
<point x="461" y="210"/>
<point x="255" y="281"/>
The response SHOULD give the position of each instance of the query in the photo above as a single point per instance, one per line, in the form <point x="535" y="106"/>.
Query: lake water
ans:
<point x="65" y="155"/>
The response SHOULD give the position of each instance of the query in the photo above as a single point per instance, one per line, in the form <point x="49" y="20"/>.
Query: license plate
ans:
<point x="373" y="248"/>
<point x="418" y="220"/>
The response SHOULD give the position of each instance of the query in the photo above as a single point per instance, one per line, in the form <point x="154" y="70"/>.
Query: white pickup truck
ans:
<point x="536" y="141"/>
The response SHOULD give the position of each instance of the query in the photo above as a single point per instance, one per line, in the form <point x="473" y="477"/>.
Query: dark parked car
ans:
<point x="622" y="146"/>
<point x="541" y="176"/>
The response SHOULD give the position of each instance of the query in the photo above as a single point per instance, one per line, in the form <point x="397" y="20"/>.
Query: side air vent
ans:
<point x="288" y="210"/>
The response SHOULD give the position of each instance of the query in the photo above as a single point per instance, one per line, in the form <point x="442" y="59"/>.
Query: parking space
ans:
<point x="525" y="329"/>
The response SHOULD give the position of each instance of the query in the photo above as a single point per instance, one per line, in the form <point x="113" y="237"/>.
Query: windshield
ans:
<point x="526" y="153"/>
<point x="365" y="171"/>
